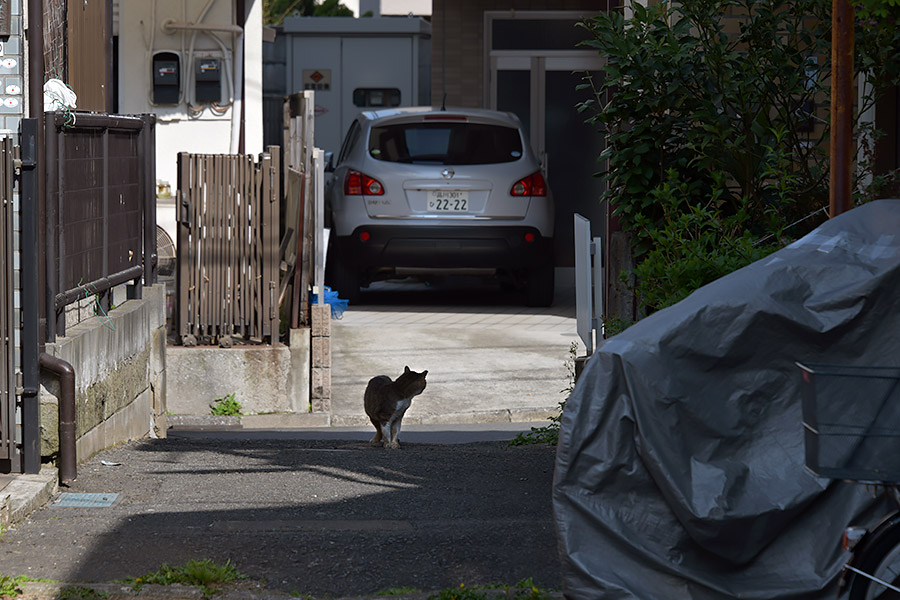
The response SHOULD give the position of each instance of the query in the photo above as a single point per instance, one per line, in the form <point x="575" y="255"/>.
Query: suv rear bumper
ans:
<point x="444" y="247"/>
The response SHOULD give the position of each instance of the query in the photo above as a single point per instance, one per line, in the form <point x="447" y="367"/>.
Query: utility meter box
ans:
<point x="208" y="80"/>
<point x="166" y="78"/>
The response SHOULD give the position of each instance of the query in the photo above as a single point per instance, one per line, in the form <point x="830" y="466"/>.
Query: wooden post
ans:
<point x="841" y="106"/>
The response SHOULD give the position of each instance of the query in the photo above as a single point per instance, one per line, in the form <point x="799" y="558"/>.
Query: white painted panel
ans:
<point x="370" y="62"/>
<point x="323" y="55"/>
<point x="204" y="137"/>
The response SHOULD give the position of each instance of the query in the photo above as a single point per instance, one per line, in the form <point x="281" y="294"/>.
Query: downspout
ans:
<point x="67" y="457"/>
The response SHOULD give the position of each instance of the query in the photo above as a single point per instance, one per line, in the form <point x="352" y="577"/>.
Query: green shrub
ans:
<point x="80" y="593"/>
<point x="226" y="407"/>
<point x="203" y="573"/>
<point x="460" y="593"/>
<point x="11" y="586"/>
<point x="694" y="244"/>
<point x="716" y="145"/>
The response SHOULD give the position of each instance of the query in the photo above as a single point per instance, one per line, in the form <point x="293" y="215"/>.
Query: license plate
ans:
<point x="456" y="201"/>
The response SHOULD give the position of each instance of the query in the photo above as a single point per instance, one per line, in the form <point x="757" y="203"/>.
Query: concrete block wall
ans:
<point x="120" y="377"/>
<point x="264" y="379"/>
<point x="320" y="373"/>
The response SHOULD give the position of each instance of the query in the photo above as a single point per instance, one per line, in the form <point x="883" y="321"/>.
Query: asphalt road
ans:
<point x="326" y="517"/>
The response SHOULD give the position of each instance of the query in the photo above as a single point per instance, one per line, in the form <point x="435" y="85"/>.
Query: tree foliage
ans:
<point x="887" y="11"/>
<point x="716" y="142"/>
<point x="275" y="11"/>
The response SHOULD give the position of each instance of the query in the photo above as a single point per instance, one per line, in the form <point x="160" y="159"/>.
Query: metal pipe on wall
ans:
<point x="171" y="26"/>
<point x="67" y="461"/>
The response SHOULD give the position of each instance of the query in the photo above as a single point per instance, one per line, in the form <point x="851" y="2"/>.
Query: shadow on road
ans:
<point x="322" y="517"/>
<point x="463" y="293"/>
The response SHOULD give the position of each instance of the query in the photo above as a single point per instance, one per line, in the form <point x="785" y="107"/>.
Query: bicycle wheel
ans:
<point x="881" y="561"/>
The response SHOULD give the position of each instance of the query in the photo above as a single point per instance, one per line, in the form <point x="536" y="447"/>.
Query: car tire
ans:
<point x="539" y="286"/>
<point x="345" y="281"/>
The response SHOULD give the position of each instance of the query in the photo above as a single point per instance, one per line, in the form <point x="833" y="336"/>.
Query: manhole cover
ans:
<point x="70" y="500"/>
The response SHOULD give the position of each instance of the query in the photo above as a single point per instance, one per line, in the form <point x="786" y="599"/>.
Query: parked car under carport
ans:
<point x="424" y="190"/>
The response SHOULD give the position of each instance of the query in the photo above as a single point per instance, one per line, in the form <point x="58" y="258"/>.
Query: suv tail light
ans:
<point x="360" y="184"/>
<point x="533" y="185"/>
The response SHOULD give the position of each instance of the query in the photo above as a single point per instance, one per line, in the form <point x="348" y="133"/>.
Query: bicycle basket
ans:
<point x="851" y="421"/>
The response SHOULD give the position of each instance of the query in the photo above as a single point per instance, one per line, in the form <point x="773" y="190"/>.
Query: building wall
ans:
<point x="458" y="64"/>
<point x="178" y="128"/>
<point x="120" y="377"/>
<point x="350" y="54"/>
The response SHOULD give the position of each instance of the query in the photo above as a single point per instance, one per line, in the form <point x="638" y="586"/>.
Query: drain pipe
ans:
<point x="67" y="461"/>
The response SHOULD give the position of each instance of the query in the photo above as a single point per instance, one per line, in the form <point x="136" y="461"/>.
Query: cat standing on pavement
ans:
<point x="386" y="401"/>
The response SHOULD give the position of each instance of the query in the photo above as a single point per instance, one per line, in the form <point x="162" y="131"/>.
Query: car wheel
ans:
<point x="539" y="286"/>
<point x="345" y="281"/>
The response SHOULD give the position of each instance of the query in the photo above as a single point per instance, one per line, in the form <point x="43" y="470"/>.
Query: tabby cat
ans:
<point x="386" y="401"/>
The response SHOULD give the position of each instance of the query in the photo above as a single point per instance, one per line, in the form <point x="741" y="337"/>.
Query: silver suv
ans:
<point x="439" y="191"/>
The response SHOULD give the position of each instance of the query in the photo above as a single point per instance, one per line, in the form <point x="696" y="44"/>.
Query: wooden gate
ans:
<point x="7" y="305"/>
<point x="228" y="247"/>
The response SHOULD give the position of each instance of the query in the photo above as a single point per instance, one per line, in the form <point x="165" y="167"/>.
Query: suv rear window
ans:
<point x="445" y="143"/>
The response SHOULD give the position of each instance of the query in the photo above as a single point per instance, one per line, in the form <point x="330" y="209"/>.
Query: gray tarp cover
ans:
<point x="680" y="467"/>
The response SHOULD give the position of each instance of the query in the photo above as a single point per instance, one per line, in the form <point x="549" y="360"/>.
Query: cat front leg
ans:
<point x="385" y="434"/>
<point x="395" y="434"/>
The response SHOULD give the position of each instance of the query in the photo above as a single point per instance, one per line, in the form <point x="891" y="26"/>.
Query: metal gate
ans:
<point x="228" y="247"/>
<point x="7" y="305"/>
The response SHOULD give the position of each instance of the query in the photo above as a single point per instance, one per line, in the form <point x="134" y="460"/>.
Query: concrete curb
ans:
<point x="27" y="493"/>
<point x="325" y="420"/>
<point x="505" y="415"/>
<point x="43" y="590"/>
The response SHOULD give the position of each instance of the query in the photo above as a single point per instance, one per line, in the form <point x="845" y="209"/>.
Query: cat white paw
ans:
<point x="392" y="445"/>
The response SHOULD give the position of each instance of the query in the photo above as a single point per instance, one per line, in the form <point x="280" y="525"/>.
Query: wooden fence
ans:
<point x="228" y="248"/>
<point x="299" y="128"/>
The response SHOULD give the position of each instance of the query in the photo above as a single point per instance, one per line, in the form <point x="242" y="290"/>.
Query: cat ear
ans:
<point x="406" y="369"/>
<point x="425" y="372"/>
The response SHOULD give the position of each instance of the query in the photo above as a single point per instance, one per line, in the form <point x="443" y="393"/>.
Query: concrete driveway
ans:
<point x="489" y="358"/>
